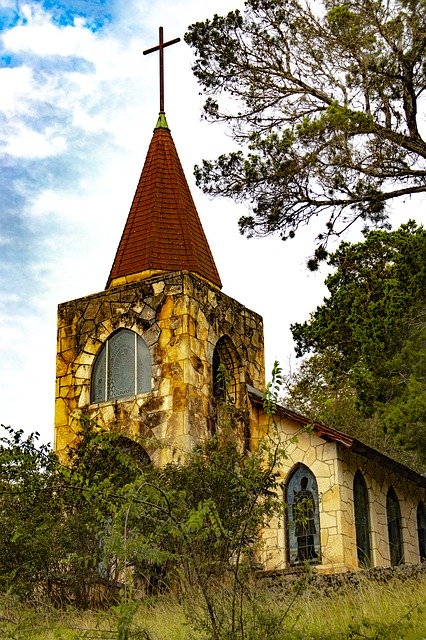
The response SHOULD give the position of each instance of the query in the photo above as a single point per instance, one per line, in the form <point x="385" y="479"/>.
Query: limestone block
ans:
<point x="165" y="312"/>
<point x="322" y="469"/>
<point x="192" y="327"/>
<point x="310" y="456"/>
<point x="180" y="402"/>
<point x="68" y="344"/>
<point x="61" y="413"/>
<point x="84" y="399"/>
<point x="106" y="414"/>
<point x="303" y="442"/>
<point x="151" y="335"/>
<point x="173" y="289"/>
<point x="158" y="287"/>
<point x="83" y="372"/>
<point x="63" y="436"/>
<point x="86" y="359"/>
<point x="146" y="313"/>
<point x="331" y="499"/>
<point x="61" y="366"/>
<point x="165" y="337"/>
<point x="63" y="392"/>
<point x="329" y="451"/>
<point x="328" y="519"/>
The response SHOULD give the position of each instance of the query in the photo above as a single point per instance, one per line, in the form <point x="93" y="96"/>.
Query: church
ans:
<point x="143" y="358"/>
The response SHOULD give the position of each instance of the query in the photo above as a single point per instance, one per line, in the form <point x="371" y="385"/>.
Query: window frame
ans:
<point x="102" y="368"/>
<point x="394" y="525"/>
<point x="294" y="548"/>
<point x="362" y="520"/>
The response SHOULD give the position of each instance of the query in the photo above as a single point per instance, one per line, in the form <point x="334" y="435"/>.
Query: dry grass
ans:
<point x="392" y="611"/>
<point x="395" y="610"/>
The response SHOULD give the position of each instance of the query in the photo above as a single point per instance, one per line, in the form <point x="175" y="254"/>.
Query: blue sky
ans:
<point x="77" y="107"/>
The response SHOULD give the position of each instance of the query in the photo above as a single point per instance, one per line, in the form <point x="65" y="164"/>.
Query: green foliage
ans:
<point x="327" y="100"/>
<point x="28" y="513"/>
<point x="78" y="533"/>
<point x="54" y="518"/>
<point x="196" y="517"/>
<point x="369" y="341"/>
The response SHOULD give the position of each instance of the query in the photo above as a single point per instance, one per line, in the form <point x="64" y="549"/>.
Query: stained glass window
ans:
<point x="303" y="525"/>
<point x="393" y="514"/>
<point x="362" y="521"/>
<point x="421" y="530"/>
<point x="122" y="368"/>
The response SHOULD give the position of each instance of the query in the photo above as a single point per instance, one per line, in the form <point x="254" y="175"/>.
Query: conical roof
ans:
<point x="163" y="231"/>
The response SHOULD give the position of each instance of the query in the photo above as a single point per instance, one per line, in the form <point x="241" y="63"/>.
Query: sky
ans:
<point x="78" y="103"/>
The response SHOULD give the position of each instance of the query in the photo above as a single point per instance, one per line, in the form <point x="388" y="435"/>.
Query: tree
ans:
<point x="28" y="514"/>
<point x="54" y="519"/>
<point x="315" y="391"/>
<point x="327" y="98"/>
<point x="369" y="335"/>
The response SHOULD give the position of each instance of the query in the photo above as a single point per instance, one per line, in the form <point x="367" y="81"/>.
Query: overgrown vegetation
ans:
<point x="108" y="525"/>
<point x="373" y="611"/>
<point x="366" y="345"/>
<point x="161" y="552"/>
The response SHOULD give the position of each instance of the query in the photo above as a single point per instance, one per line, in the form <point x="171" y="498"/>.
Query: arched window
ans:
<point x="393" y="514"/>
<point x="122" y="368"/>
<point x="133" y="450"/>
<point x="225" y="370"/>
<point x="362" y="521"/>
<point x="421" y="530"/>
<point x="303" y="525"/>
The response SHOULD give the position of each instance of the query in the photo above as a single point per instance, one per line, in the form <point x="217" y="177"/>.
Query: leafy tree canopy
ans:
<point x="327" y="97"/>
<point x="369" y="335"/>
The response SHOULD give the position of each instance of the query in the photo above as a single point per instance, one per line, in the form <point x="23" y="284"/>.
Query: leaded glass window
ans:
<point x="393" y="514"/>
<point x="122" y="368"/>
<point x="303" y="526"/>
<point x="362" y="521"/>
<point x="421" y="530"/>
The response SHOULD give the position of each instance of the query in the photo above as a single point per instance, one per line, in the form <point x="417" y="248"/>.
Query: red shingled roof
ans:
<point x="163" y="230"/>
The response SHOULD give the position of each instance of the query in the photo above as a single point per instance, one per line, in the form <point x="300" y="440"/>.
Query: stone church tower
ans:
<point x="146" y="357"/>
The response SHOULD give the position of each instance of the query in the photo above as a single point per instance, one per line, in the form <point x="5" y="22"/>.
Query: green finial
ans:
<point x="161" y="122"/>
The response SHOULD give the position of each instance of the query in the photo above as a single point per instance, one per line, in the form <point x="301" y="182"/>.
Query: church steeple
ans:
<point x="163" y="232"/>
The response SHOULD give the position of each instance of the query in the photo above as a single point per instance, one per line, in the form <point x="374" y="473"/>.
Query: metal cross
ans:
<point x="160" y="47"/>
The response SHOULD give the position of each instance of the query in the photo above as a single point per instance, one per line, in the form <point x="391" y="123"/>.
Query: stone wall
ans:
<point x="304" y="447"/>
<point x="334" y="467"/>
<point x="180" y="317"/>
<point x="378" y="479"/>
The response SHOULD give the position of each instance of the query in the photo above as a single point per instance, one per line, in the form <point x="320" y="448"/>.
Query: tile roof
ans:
<point x="163" y="231"/>
<point x="333" y="435"/>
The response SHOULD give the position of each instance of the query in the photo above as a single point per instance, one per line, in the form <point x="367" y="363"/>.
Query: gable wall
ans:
<point x="334" y="467"/>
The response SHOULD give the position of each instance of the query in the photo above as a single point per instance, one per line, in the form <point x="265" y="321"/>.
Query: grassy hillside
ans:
<point x="392" y="611"/>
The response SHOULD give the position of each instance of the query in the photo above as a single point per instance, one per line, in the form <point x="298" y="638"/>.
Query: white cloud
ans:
<point x="40" y="37"/>
<point x="18" y="83"/>
<point x="27" y="143"/>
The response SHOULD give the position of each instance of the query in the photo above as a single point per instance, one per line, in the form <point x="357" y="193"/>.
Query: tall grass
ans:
<point x="392" y="611"/>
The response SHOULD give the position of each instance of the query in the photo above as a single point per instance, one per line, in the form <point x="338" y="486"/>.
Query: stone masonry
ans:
<point x="180" y="317"/>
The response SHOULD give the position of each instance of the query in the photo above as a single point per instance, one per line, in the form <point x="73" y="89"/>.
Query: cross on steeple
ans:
<point x="160" y="47"/>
